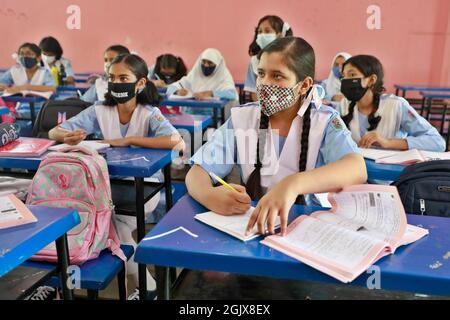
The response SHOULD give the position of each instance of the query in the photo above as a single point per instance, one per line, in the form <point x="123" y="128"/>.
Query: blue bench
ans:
<point x="95" y="274"/>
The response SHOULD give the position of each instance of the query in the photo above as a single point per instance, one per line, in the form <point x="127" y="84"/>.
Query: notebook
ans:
<point x="26" y="147"/>
<point x="43" y="94"/>
<point x="233" y="225"/>
<point x="374" y="154"/>
<point x="14" y="213"/>
<point x="413" y="156"/>
<point x="94" y="145"/>
<point x="366" y="223"/>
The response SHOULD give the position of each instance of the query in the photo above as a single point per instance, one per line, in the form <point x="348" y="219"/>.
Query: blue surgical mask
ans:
<point x="337" y="72"/>
<point x="28" y="62"/>
<point x="207" y="71"/>
<point x="263" y="39"/>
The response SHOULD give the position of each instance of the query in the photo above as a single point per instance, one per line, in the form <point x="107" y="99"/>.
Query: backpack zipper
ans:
<point x="422" y="206"/>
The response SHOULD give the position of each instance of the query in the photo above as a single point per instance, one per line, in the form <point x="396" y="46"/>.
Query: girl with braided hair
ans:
<point x="381" y="120"/>
<point x="287" y="146"/>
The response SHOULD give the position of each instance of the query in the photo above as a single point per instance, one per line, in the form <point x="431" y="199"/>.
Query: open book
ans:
<point x="26" y="147"/>
<point x="43" y="94"/>
<point x="403" y="157"/>
<point x="233" y="225"/>
<point x="366" y="223"/>
<point x="13" y="212"/>
<point x="191" y="96"/>
<point x="94" y="145"/>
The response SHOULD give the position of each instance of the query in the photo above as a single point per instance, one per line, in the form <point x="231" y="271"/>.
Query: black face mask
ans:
<point x="352" y="89"/>
<point x="28" y="62"/>
<point x="122" y="92"/>
<point x="207" y="71"/>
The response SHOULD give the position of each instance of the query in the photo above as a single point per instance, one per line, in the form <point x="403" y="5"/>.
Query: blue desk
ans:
<point x="31" y="100"/>
<point x="216" y="105"/>
<point x="383" y="172"/>
<point x="407" y="270"/>
<point x="139" y="163"/>
<point x="405" y="88"/>
<point x="17" y="244"/>
<point x="81" y="88"/>
<point x="194" y="124"/>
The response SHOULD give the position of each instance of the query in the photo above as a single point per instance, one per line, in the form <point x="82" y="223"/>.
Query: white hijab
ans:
<point x="333" y="84"/>
<point x="221" y="79"/>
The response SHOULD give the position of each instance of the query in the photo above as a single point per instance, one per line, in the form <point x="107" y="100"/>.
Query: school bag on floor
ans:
<point x="425" y="188"/>
<point x="77" y="178"/>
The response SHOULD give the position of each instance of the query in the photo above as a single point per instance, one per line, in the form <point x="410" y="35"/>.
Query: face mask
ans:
<point x="28" y="62"/>
<point x="207" y="71"/>
<point x="337" y="72"/>
<point x="106" y="66"/>
<point x="263" y="39"/>
<point x="48" y="59"/>
<point x="122" y="92"/>
<point x="274" y="99"/>
<point x="352" y="89"/>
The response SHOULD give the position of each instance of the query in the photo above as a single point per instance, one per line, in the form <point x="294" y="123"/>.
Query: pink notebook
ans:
<point x="366" y="223"/>
<point x="14" y="213"/>
<point x="26" y="147"/>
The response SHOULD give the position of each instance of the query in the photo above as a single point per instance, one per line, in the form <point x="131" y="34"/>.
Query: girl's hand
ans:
<point x="182" y="92"/>
<point x="159" y="83"/>
<point x="74" y="137"/>
<point x="14" y="90"/>
<point x="277" y="202"/>
<point x="3" y="87"/>
<point x="203" y="95"/>
<point x="228" y="202"/>
<point x="124" y="142"/>
<point x="374" y="139"/>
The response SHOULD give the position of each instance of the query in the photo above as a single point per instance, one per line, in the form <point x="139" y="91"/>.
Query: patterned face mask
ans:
<point x="274" y="99"/>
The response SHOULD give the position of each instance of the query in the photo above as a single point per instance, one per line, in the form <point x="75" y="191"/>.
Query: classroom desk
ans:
<point x="216" y="105"/>
<point x="405" y="88"/>
<point x="31" y="100"/>
<point x="428" y="98"/>
<point x="409" y="269"/>
<point x="139" y="163"/>
<point x="17" y="244"/>
<point x="383" y="172"/>
<point x="194" y="124"/>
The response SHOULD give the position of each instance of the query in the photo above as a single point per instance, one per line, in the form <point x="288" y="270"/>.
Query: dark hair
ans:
<point x="137" y="65"/>
<point x="367" y="65"/>
<point x="118" y="49"/>
<point x="276" y="23"/>
<point x="52" y="45"/>
<point x="33" y="47"/>
<point x="170" y="61"/>
<point x="300" y="58"/>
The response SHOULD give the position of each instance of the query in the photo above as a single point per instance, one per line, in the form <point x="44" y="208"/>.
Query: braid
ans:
<point x="374" y="121"/>
<point x="304" y="148"/>
<point x="253" y="186"/>
<point x="349" y="116"/>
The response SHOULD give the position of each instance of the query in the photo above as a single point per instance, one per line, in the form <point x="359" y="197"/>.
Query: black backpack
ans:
<point x="48" y="116"/>
<point x="425" y="188"/>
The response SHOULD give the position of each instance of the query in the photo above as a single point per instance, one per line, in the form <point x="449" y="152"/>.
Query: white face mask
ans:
<point x="48" y="59"/>
<point x="106" y="66"/>
<point x="263" y="39"/>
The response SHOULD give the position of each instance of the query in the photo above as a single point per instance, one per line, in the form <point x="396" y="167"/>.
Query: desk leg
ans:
<point x="422" y="108"/>
<point x="404" y="94"/>
<point x="62" y="250"/>
<point x="33" y="114"/>
<point x="215" y="116"/>
<point x="168" y="187"/>
<point x="140" y="219"/>
<point x="429" y="103"/>
<point x="444" y="116"/>
<point x="396" y="91"/>
<point x="222" y="114"/>
<point x="162" y="282"/>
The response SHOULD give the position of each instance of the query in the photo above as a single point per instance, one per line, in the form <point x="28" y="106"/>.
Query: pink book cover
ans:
<point x="26" y="147"/>
<point x="14" y="213"/>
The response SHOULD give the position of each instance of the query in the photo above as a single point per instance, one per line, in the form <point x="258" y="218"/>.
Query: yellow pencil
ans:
<point x="222" y="182"/>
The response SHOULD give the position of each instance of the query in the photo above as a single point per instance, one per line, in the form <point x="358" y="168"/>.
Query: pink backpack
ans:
<point x="77" y="178"/>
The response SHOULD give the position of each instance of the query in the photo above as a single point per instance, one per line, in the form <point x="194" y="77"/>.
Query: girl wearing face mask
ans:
<point x="60" y="67"/>
<point x="287" y="146"/>
<point x="167" y="70"/>
<point x="129" y="116"/>
<point x="28" y="73"/>
<point x="333" y="83"/>
<point x="208" y="78"/>
<point x="269" y="28"/>
<point x="100" y="88"/>
<point x="381" y="120"/>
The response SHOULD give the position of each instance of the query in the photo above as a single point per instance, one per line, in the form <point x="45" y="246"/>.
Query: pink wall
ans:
<point x="413" y="44"/>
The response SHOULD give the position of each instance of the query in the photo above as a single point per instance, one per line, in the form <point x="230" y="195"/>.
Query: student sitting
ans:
<point x="287" y="147"/>
<point x="60" y="67"/>
<point x="381" y="120"/>
<point x="100" y="88"/>
<point x="333" y="83"/>
<point x="167" y="70"/>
